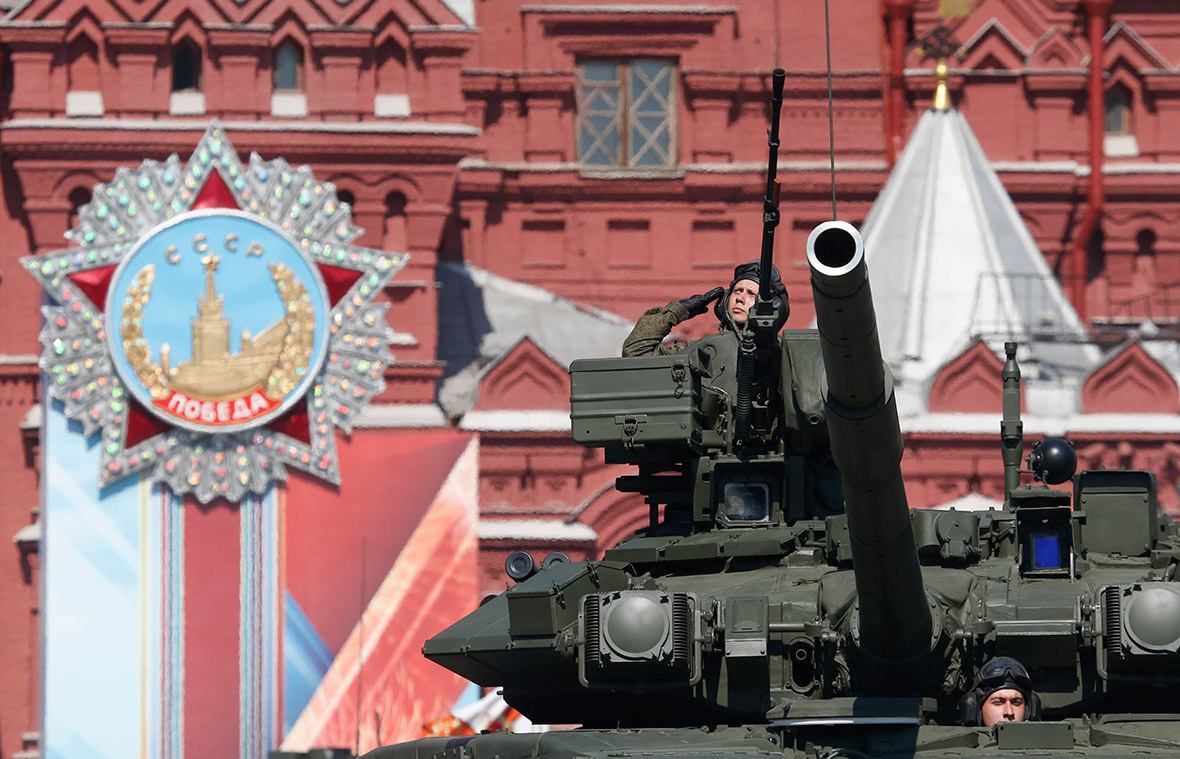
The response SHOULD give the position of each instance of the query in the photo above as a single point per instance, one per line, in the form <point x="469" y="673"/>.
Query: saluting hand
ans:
<point x="698" y="304"/>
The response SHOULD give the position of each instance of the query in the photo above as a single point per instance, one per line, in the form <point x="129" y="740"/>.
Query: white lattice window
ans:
<point x="627" y="113"/>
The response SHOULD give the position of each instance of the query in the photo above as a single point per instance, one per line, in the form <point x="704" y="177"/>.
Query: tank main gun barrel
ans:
<point x="895" y="622"/>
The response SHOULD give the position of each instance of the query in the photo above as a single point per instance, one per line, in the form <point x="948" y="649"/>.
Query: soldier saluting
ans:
<point x="731" y="306"/>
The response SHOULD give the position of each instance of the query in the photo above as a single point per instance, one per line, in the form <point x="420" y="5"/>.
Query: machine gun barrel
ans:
<point x="759" y="338"/>
<point x="770" y="213"/>
<point x="895" y="622"/>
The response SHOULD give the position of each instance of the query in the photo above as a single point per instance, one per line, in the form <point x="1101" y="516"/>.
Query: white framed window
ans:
<point x="626" y="113"/>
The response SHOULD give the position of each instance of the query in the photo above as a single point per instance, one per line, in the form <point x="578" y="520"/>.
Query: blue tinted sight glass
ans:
<point x="747" y="502"/>
<point x="1046" y="552"/>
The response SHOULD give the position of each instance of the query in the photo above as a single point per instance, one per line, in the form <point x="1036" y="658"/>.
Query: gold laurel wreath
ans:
<point x="295" y="355"/>
<point x="135" y="348"/>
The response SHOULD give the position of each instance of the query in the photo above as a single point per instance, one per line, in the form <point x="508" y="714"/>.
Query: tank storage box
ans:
<point x="634" y="402"/>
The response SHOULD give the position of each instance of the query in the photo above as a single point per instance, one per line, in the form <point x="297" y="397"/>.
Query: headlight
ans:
<point x="639" y="637"/>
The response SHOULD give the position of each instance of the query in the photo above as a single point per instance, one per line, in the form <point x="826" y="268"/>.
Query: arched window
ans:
<point x="288" y="71"/>
<point x="1120" y="138"/>
<point x="391" y="68"/>
<point x="391" y="100"/>
<point x="186" y="66"/>
<point x="1145" y="242"/>
<point x="79" y="197"/>
<point x="1146" y="302"/>
<point x="1118" y="110"/>
<point x="395" y="222"/>
<point x="83" y="64"/>
<point x="84" y="93"/>
<point x="288" y="99"/>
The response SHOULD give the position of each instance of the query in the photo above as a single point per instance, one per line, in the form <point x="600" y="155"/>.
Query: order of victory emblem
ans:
<point x="214" y="378"/>
<point x="214" y="325"/>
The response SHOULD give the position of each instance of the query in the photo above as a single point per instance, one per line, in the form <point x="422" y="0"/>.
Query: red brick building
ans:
<point x="562" y="158"/>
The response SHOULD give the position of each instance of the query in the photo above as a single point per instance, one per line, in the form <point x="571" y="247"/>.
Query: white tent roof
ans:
<point x="952" y="262"/>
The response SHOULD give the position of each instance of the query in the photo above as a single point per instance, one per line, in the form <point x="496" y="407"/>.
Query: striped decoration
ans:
<point x="171" y="575"/>
<point x="261" y="623"/>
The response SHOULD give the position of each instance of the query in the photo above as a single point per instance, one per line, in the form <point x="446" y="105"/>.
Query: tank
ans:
<point x="784" y="601"/>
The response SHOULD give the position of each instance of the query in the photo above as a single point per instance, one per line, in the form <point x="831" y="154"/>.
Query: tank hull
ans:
<point x="850" y="737"/>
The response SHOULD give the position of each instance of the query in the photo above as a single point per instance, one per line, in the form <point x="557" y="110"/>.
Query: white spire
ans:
<point x="951" y="259"/>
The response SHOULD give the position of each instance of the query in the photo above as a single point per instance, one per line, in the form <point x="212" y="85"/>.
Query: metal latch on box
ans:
<point x="631" y="424"/>
<point x="679" y="375"/>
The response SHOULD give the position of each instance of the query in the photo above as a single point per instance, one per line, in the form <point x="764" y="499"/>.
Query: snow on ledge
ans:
<point x="535" y="529"/>
<point x="516" y="421"/>
<point x="278" y="125"/>
<point x="1052" y="426"/>
<point x="400" y="415"/>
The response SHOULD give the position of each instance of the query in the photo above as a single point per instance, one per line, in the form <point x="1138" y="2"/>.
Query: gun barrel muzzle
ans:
<point x="844" y="315"/>
<point x="834" y="249"/>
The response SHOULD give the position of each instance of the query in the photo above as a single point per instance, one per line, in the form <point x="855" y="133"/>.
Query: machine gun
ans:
<point x="758" y="349"/>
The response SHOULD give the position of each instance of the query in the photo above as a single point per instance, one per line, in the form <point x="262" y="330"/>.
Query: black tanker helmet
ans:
<point x="997" y="674"/>
<point x="752" y="270"/>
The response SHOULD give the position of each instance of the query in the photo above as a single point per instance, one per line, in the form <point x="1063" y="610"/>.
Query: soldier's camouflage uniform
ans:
<point x="648" y="336"/>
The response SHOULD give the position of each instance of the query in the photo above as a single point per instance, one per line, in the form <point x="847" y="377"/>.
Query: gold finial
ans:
<point x="210" y="261"/>
<point x="942" y="96"/>
<point x="939" y="43"/>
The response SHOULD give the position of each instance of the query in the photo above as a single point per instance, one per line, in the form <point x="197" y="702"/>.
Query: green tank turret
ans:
<point x="785" y="602"/>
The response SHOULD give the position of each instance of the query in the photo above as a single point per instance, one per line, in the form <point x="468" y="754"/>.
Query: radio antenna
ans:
<point x="831" y="115"/>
